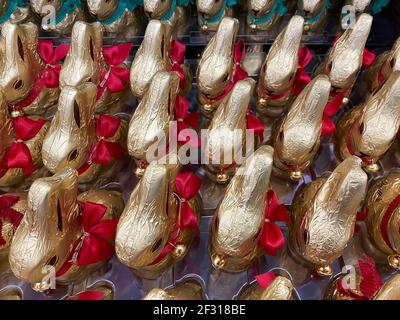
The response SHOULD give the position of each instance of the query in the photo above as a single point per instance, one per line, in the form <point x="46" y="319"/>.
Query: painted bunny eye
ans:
<point x="52" y="262"/>
<point x="330" y="65"/>
<point x="306" y="237"/>
<point x="18" y="84"/>
<point x="156" y="245"/>
<point x="77" y="116"/>
<point x="226" y="77"/>
<point x="361" y="128"/>
<point x="392" y="63"/>
<point x="59" y="217"/>
<point x="73" y="155"/>
<point x="20" y="49"/>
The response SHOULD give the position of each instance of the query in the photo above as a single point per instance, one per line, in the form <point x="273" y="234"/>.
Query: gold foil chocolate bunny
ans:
<point x="117" y="16"/>
<point x="29" y="69"/>
<point x="369" y="130"/>
<point x="210" y="13"/>
<point x="15" y="11"/>
<point x="324" y="214"/>
<point x="381" y="207"/>
<point x="158" y="53"/>
<point x="264" y="14"/>
<point x="79" y="139"/>
<point x="314" y="13"/>
<point x="74" y="234"/>
<point x="188" y="289"/>
<point x="383" y="67"/>
<point x="21" y="141"/>
<point x="160" y="220"/>
<point x="12" y="208"/>
<point x="149" y="125"/>
<point x="363" y="284"/>
<point x="267" y="286"/>
<point x="88" y="61"/>
<point x="11" y="293"/>
<point x="226" y="134"/>
<point x="239" y="219"/>
<point x="296" y="137"/>
<point x="219" y="67"/>
<point x="173" y="12"/>
<point x="282" y="75"/>
<point x="101" y="290"/>
<point x="344" y="61"/>
<point x="65" y="12"/>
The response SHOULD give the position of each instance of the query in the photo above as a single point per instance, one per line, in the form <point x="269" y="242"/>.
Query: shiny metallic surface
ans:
<point x="279" y="289"/>
<point x="187" y="289"/>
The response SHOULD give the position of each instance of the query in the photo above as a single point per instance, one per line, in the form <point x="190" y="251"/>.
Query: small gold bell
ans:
<point x="179" y="251"/>
<point x="253" y="26"/>
<point x="139" y="172"/>
<point x="16" y="113"/>
<point x="222" y="178"/>
<point x="345" y="101"/>
<point x="394" y="261"/>
<point x="374" y="167"/>
<point x="262" y="101"/>
<point x="295" y="175"/>
<point x="208" y="107"/>
<point x="204" y="27"/>
<point x="324" y="271"/>
<point x="218" y="261"/>
<point x="306" y="27"/>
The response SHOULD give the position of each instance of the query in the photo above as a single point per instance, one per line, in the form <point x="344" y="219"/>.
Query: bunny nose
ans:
<point x="148" y="13"/>
<point x="255" y="12"/>
<point x="307" y="13"/>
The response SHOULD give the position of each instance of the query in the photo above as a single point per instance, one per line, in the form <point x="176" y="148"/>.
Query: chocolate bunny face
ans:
<point x="102" y="9"/>
<point x="227" y="132"/>
<point x="383" y="216"/>
<point x="188" y="289"/>
<point x="360" y="6"/>
<point x="151" y="120"/>
<point x="52" y="225"/>
<point x="156" y="9"/>
<point x="239" y="219"/>
<point x="15" y="11"/>
<point x="370" y="129"/>
<point x="216" y="64"/>
<point x="151" y="57"/>
<point x="296" y="137"/>
<point x="343" y="61"/>
<point x="72" y="130"/>
<point x="324" y="214"/>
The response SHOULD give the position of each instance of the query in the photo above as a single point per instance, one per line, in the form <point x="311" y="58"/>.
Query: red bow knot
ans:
<point x="253" y="123"/>
<point x="96" y="243"/>
<point x="370" y="281"/>
<point x="187" y="186"/>
<point x="265" y="279"/>
<point x="18" y="154"/>
<point x="7" y="213"/>
<point x="186" y="120"/>
<point x="238" y="72"/>
<point x="103" y="151"/>
<point x="116" y="77"/>
<point x="89" y="295"/>
<point x="271" y="238"/>
<point x="177" y="56"/>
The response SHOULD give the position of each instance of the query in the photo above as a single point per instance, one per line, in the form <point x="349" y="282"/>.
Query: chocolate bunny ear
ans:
<point x="390" y="289"/>
<point x="383" y="216"/>
<point x="85" y="61"/>
<point x="297" y="135"/>
<point x="151" y="57"/>
<point x="52" y="211"/>
<point x="344" y="60"/>
<point x="151" y="120"/>
<point x="72" y="130"/>
<point x="216" y="64"/>
<point x="369" y="130"/>
<point x="227" y="131"/>
<point x="324" y="214"/>
<point x="360" y="6"/>
<point x="239" y="219"/>
<point x="188" y="289"/>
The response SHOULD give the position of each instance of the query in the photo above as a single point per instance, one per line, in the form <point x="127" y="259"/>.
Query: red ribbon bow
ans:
<point x="253" y="123"/>
<point x="89" y="295"/>
<point x="370" y="281"/>
<point x="272" y="238"/>
<point x="361" y="216"/>
<point x="385" y="221"/>
<point x="116" y="77"/>
<point x="102" y="151"/>
<point x="18" y="154"/>
<point x="187" y="186"/>
<point x="301" y="78"/>
<point x="177" y="56"/>
<point x="186" y="120"/>
<point x="265" y="279"/>
<point x="49" y="75"/>
<point x="96" y="243"/>
<point x="238" y="72"/>
<point x="7" y="213"/>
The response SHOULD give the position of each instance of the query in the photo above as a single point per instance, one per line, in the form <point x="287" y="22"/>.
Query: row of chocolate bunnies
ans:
<point x="126" y="16"/>
<point x="86" y="139"/>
